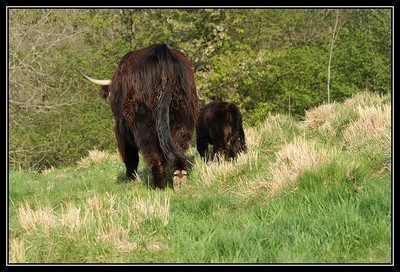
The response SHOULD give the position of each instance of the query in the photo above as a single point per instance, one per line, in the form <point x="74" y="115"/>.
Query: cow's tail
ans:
<point x="169" y="67"/>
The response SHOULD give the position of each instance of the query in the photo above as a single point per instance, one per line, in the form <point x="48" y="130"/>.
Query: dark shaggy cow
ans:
<point x="220" y="125"/>
<point x="154" y="102"/>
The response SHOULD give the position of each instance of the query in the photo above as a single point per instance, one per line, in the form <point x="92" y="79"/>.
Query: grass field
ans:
<point x="315" y="191"/>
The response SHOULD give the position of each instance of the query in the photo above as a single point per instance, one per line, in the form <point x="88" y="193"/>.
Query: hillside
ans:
<point x="311" y="191"/>
<point x="265" y="60"/>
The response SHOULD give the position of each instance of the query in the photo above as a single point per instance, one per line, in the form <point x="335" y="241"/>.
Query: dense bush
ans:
<point x="264" y="60"/>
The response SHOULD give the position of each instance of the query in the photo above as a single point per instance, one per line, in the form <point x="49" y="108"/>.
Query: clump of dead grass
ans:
<point x="253" y="138"/>
<point x="109" y="218"/>
<point x="320" y="117"/>
<point x="95" y="157"/>
<point x="48" y="170"/>
<point x="292" y="160"/>
<point x="374" y="122"/>
<point x="116" y="237"/>
<point x="42" y="217"/>
<point x="363" y="99"/>
<point x="220" y="169"/>
<point x="17" y="251"/>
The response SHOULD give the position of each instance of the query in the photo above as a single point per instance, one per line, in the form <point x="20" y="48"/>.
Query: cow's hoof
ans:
<point x="180" y="178"/>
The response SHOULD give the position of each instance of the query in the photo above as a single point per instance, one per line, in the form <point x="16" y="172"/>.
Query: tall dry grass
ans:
<point x="109" y="216"/>
<point x="374" y="122"/>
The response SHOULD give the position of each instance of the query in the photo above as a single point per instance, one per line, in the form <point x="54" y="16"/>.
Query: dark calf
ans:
<point x="220" y="125"/>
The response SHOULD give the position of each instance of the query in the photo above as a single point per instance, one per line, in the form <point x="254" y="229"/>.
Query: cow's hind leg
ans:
<point x="127" y="149"/>
<point x="158" y="172"/>
<point x="182" y="134"/>
<point x="131" y="160"/>
<point x="143" y="128"/>
<point x="157" y="166"/>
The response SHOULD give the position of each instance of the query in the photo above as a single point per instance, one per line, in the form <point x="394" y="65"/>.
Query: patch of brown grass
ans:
<point x="95" y="157"/>
<point x="219" y="169"/>
<point x="253" y="138"/>
<point x="320" y="117"/>
<point x="17" y="251"/>
<point x="373" y="122"/>
<point x="156" y="247"/>
<point x="117" y="237"/>
<point x="364" y="99"/>
<point x="293" y="159"/>
<point x="154" y="208"/>
<point x="48" y="170"/>
<point x="108" y="217"/>
<point x="41" y="218"/>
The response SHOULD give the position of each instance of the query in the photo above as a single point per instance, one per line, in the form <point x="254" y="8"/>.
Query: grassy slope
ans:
<point x="316" y="191"/>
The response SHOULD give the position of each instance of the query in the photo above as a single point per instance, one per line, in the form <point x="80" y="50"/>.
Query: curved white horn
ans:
<point x="102" y="82"/>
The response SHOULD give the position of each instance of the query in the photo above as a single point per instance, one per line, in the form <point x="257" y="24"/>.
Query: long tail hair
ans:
<point x="170" y="69"/>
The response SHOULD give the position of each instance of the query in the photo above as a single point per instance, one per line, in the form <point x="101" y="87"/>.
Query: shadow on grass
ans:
<point x="145" y="175"/>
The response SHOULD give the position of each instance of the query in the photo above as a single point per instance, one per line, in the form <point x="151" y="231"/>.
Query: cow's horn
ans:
<point x="102" y="82"/>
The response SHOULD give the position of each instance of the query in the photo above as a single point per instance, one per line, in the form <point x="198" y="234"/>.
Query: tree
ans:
<point x="264" y="60"/>
<point x="45" y="104"/>
<point x="335" y="33"/>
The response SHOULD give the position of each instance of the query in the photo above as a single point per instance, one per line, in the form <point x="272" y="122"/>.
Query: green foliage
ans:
<point x="363" y="56"/>
<point x="264" y="60"/>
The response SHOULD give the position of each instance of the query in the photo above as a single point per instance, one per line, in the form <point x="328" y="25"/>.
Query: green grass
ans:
<point x="296" y="197"/>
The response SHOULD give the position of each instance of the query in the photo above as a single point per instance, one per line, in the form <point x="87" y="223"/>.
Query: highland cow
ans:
<point x="154" y="102"/>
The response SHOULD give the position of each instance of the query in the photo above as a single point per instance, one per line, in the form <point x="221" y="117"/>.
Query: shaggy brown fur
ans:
<point x="154" y="102"/>
<point x="220" y="125"/>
